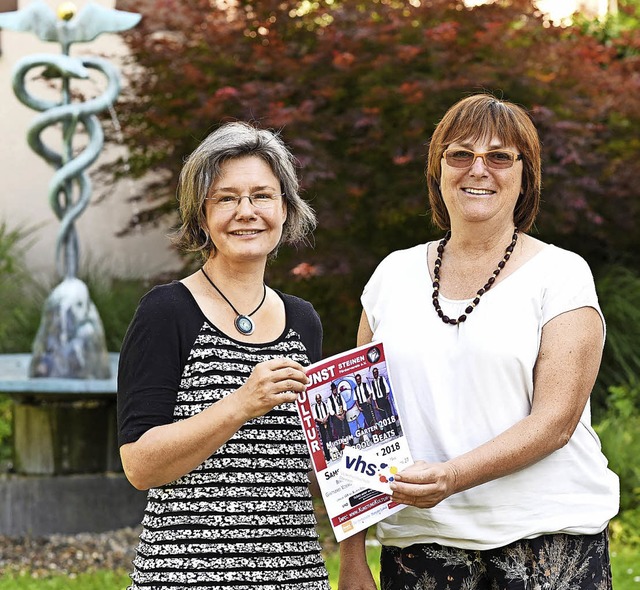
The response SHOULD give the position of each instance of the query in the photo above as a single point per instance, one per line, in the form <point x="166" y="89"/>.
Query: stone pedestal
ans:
<point x="62" y="435"/>
<point x="67" y="475"/>
<point x="68" y="504"/>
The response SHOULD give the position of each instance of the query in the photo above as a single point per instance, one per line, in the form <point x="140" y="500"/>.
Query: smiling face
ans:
<point x="480" y="193"/>
<point x="246" y="233"/>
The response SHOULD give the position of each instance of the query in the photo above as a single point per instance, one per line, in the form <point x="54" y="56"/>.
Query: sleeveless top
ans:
<point x="244" y="518"/>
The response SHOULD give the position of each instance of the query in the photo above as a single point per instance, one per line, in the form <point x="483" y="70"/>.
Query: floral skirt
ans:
<point x="549" y="562"/>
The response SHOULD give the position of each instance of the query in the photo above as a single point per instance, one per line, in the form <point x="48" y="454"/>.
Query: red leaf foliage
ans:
<point x="357" y="87"/>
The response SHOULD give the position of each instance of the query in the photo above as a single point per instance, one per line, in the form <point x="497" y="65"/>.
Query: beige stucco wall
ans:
<point x="24" y="178"/>
<point x="558" y="10"/>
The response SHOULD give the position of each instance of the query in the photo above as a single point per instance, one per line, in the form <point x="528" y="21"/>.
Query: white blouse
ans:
<point x="457" y="387"/>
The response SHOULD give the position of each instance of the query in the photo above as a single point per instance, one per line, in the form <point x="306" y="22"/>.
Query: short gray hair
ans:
<point x="203" y="167"/>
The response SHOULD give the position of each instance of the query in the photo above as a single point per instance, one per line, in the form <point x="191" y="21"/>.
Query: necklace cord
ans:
<point x="476" y="300"/>
<point x="264" y="295"/>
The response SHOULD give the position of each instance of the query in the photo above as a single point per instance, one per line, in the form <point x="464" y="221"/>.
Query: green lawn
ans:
<point x="100" y="580"/>
<point x="625" y="562"/>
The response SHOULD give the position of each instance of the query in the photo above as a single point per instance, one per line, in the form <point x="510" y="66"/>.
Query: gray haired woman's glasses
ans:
<point x="260" y="200"/>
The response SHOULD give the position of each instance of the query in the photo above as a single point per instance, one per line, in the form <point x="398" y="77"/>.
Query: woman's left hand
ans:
<point x="424" y="484"/>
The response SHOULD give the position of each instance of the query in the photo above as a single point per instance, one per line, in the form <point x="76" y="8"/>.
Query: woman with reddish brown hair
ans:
<point x="494" y="339"/>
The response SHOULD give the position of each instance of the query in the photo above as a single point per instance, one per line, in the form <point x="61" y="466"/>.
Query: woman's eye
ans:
<point x="461" y="155"/>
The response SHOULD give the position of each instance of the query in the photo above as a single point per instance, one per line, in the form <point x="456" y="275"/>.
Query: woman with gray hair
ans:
<point x="209" y="373"/>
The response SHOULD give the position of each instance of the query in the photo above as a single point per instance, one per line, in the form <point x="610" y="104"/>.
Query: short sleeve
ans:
<point x="153" y="354"/>
<point x="570" y="286"/>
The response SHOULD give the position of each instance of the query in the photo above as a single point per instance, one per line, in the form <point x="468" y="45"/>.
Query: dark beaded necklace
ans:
<point x="479" y="293"/>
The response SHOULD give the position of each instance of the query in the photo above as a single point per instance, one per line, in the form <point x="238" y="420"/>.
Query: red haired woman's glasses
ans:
<point x="497" y="159"/>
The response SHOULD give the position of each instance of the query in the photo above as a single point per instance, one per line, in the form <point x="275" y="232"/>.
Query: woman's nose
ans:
<point x="479" y="166"/>
<point x="245" y="207"/>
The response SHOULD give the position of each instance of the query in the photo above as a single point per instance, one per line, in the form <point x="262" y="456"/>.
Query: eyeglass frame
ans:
<point x="476" y="155"/>
<point x="238" y="200"/>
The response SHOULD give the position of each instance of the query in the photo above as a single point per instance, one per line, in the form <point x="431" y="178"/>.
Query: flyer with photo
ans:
<point x="355" y="437"/>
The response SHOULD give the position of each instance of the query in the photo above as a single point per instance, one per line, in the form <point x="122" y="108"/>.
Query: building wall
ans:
<point x="25" y="176"/>
<point x="559" y="9"/>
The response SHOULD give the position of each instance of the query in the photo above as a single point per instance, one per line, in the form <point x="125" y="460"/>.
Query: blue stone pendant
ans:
<point x="244" y="325"/>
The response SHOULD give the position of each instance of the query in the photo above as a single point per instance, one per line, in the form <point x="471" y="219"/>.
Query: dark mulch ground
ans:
<point x="86" y="552"/>
<point x="69" y="554"/>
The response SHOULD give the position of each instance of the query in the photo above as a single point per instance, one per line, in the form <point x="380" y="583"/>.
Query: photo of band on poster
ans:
<point x="349" y="404"/>
<point x="358" y="409"/>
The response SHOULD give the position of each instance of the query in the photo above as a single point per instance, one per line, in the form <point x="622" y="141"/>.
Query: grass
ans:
<point x="100" y="580"/>
<point x="118" y="580"/>
<point x="625" y="563"/>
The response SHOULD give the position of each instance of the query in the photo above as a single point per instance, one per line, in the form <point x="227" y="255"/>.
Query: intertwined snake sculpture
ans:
<point x="67" y="28"/>
<point x="70" y="167"/>
<point x="70" y="342"/>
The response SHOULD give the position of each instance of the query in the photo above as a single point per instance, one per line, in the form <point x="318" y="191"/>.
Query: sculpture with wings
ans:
<point x="55" y="352"/>
<point x="91" y="21"/>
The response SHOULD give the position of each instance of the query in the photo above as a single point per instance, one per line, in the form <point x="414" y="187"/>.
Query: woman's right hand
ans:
<point x="270" y="384"/>
<point x="164" y="453"/>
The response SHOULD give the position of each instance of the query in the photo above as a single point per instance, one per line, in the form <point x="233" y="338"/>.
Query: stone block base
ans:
<point x="43" y="505"/>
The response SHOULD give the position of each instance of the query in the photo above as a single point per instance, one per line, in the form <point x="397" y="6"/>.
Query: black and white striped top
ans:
<point x="244" y="518"/>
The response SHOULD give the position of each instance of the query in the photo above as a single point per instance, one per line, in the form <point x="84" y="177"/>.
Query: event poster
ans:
<point x="355" y="437"/>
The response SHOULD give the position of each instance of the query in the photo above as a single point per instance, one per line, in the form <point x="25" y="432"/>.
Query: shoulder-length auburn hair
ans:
<point x="203" y="167"/>
<point x="484" y="116"/>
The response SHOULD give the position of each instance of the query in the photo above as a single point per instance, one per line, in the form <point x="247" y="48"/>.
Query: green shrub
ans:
<point x="22" y="297"/>
<point x="625" y="549"/>
<point x="116" y="301"/>
<point x="619" y="432"/>
<point x="619" y="296"/>
<point x="625" y="531"/>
